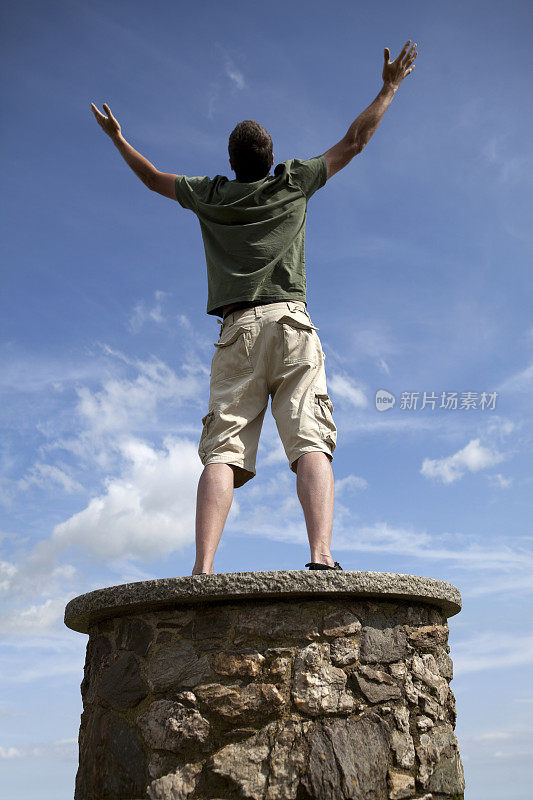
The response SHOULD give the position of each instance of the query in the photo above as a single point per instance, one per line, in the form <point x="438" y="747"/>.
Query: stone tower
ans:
<point x="289" y="685"/>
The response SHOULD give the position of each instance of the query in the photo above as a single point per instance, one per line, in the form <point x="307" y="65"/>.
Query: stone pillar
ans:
<point x="289" y="685"/>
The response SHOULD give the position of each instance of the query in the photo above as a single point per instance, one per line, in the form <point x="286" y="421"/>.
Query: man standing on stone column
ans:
<point x="253" y="230"/>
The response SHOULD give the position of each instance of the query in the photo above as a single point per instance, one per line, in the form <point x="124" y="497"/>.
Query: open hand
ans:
<point x="395" y="71"/>
<point x="108" y="124"/>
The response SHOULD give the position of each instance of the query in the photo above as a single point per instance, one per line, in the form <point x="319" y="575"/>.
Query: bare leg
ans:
<point x="213" y="502"/>
<point x="315" y="489"/>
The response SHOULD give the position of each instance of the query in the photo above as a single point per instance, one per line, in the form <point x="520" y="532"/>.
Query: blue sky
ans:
<point x="419" y="261"/>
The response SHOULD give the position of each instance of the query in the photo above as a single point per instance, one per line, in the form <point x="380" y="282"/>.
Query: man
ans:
<point x="253" y="230"/>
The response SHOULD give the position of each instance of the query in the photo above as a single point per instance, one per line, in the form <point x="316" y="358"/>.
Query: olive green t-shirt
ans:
<point x="254" y="233"/>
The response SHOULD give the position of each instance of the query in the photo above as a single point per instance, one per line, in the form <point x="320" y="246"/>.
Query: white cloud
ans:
<point x="128" y="404"/>
<point x="509" y="584"/>
<point x="119" y="405"/>
<point x="408" y="422"/>
<point x="146" y="513"/>
<point x="61" y="748"/>
<point x="217" y="87"/>
<point x="141" y="313"/>
<point x="124" y="404"/>
<point x="48" y="475"/>
<point x="346" y="389"/>
<point x="520" y="381"/>
<point x="510" y="736"/>
<point x="28" y="374"/>
<point x="32" y="671"/>
<point x="491" y="148"/>
<point x="500" y="427"/>
<point x="34" y="620"/>
<point x="350" y="482"/>
<point x="515" y="754"/>
<point x="374" y="342"/>
<point x="230" y="69"/>
<point x="7" y="571"/>
<point x="383" y="366"/>
<point x="234" y="74"/>
<point x="260" y="515"/>
<point x="275" y="454"/>
<point x="500" y="481"/>
<point x="492" y="650"/>
<point x="510" y="167"/>
<point x="35" y="575"/>
<point x="146" y="509"/>
<point x="11" y="752"/>
<point x="473" y="457"/>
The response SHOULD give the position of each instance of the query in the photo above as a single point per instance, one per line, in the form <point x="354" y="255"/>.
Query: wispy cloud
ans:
<point x="510" y="738"/>
<point x="460" y="549"/>
<point x="492" y="735"/>
<point x="500" y="481"/>
<point x="514" y="584"/>
<point x="349" y="483"/>
<point x="123" y="404"/>
<point x="147" y="512"/>
<point x="347" y="389"/>
<point x="234" y="74"/>
<point x="35" y="619"/>
<point x="473" y="457"/>
<point x="492" y="650"/>
<point x="375" y="341"/>
<point x="105" y="409"/>
<point x="60" y="748"/>
<point x="7" y="572"/>
<point x="146" y="508"/>
<point x="143" y="313"/>
<point x="520" y="381"/>
<point x="144" y="514"/>
<point x="260" y="516"/>
<point x="512" y="167"/>
<point x="231" y="72"/>
<point x="48" y="476"/>
<point x="383" y="366"/>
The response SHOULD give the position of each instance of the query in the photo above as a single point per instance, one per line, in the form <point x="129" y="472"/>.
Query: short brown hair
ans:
<point x="250" y="151"/>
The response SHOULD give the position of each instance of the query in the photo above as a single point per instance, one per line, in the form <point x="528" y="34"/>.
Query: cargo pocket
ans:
<point x="232" y="357"/>
<point x="324" y="415"/>
<point x="204" y="438"/>
<point x="300" y="342"/>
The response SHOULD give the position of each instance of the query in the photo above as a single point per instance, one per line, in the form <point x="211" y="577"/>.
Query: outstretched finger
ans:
<point x="108" y="111"/>
<point x="98" y="114"/>
<point x="404" y="49"/>
<point x="387" y="55"/>
<point x="412" y="52"/>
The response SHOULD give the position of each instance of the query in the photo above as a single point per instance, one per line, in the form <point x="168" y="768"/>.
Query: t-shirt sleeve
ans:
<point x="309" y="175"/>
<point x="189" y="191"/>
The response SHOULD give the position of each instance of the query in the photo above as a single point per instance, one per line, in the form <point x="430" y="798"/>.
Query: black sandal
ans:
<point x="315" y="565"/>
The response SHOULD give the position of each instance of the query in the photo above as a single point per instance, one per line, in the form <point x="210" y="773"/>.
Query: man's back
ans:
<point x="254" y="233"/>
<point x="254" y="240"/>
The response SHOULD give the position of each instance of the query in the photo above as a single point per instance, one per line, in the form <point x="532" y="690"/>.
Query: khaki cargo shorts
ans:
<point x="267" y="351"/>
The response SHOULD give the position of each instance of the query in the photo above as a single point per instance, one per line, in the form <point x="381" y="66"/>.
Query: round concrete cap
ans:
<point x="135" y="598"/>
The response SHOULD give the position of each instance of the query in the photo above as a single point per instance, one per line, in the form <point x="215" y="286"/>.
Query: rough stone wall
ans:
<point x="270" y="700"/>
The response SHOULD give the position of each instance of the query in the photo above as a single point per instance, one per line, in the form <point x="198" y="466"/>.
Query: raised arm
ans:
<point x="161" y="182"/>
<point x="364" y="126"/>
